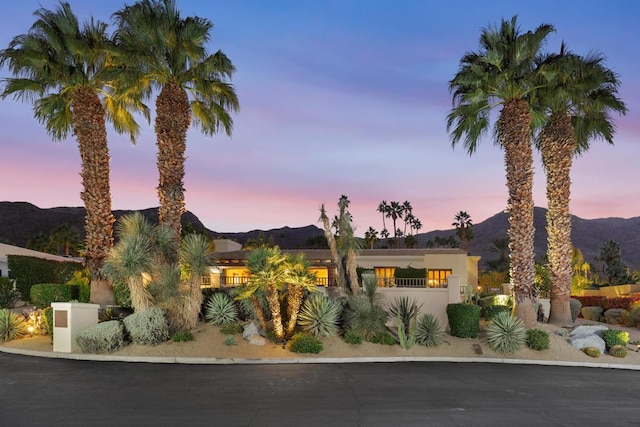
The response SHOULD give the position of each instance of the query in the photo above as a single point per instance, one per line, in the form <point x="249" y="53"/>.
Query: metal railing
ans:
<point x="391" y="282"/>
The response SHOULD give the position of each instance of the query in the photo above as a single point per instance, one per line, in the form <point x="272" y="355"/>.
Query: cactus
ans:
<point x="591" y="351"/>
<point x="618" y="351"/>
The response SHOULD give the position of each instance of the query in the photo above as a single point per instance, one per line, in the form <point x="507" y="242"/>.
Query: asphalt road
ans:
<point x="56" y="392"/>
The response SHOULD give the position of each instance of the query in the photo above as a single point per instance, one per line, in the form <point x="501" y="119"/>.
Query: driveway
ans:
<point x="57" y="392"/>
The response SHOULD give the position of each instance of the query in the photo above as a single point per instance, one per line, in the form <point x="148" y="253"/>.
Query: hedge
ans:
<point x="29" y="271"/>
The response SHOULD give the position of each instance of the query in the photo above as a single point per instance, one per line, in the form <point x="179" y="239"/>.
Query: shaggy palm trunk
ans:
<point x="257" y="309"/>
<point x="274" y="307"/>
<point x="515" y="138"/>
<point x="558" y="147"/>
<point x="294" y="301"/>
<point x="352" y="270"/>
<point x="173" y="118"/>
<point x="337" y="259"/>
<point x="140" y="297"/>
<point x="91" y="133"/>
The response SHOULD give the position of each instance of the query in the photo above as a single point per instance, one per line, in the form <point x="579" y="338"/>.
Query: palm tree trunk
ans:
<point x="173" y="118"/>
<point x="257" y="309"/>
<point x="515" y="138"/>
<point x="274" y="307"/>
<point x="294" y="301"/>
<point x="91" y="133"/>
<point x="558" y="147"/>
<point x="140" y="297"/>
<point x="331" y="240"/>
<point x="352" y="269"/>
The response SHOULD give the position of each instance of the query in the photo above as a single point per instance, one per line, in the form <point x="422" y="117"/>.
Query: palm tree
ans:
<point x="62" y="67"/>
<point x="383" y="208"/>
<point x="503" y="73"/>
<point x="464" y="228"/>
<point x="161" y="50"/>
<point x="371" y="237"/>
<point x="579" y="106"/>
<point x="395" y="212"/>
<point x="299" y="279"/>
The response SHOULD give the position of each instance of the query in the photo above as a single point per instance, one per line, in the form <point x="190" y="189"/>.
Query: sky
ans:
<point x="340" y="97"/>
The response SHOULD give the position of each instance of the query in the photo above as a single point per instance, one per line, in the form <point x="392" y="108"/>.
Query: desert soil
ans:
<point x="209" y="342"/>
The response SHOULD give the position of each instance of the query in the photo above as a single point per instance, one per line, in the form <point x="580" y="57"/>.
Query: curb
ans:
<point x="310" y="360"/>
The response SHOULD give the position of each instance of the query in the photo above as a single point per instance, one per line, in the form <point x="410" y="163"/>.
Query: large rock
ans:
<point x="591" y="312"/>
<point x="586" y="330"/>
<point x="257" y="340"/>
<point x="616" y="316"/>
<point x="249" y="330"/>
<point x="583" y="341"/>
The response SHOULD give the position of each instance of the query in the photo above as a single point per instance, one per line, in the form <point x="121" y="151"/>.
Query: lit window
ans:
<point x="385" y="276"/>
<point x="438" y="278"/>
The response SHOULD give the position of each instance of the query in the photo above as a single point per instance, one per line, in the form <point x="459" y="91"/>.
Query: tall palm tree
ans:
<point x="395" y="211"/>
<point x="161" y="50"/>
<point x="464" y="228"/>
<point x="298" y="279"/>
<point x="503" y="73"/>
<point x="62" y="67"/>
<point x="579" y="105"/>
<point x="383" y="208"/>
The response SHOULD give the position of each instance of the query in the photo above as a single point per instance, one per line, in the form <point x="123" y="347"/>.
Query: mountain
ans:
<point x="21" y="221"/>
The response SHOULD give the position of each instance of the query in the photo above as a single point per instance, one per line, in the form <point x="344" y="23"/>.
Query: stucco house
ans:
<point x="6" y="250"/>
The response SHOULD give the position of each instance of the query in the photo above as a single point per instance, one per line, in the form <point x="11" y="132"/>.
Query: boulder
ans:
<point x="591" y="312"/>
<point x="257" y="340"/>
<point x="593" y="340"/>
<point x="586" y="330"/>
<point x="249" y="330"/>
<point x="616" y="316"/>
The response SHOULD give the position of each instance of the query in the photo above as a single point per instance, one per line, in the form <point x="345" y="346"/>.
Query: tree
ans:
<point x="581" y="271"/>
<point x="299" y="279"/>
<point x="578" y="105"/>
<point x="499" y="246"/>
<point x="395" y="212"/>
<point x="464" y="228"/>
<point x="63" y="68"/>
<point x="64" y="239"/>
<point x="370" y="237"/>
<point x="503" y="73"/>
<point x="611" y="257"/>
<point x="157" y="48"/>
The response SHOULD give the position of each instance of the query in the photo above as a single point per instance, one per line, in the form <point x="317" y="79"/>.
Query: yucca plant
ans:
<point x="220" y="309"/>
<point x="320" y="316"/>
<point x="406" y="311"/>
<point x="429" y="332"/>
<point x="506" y="333"/>
<point x="12" y="325"/>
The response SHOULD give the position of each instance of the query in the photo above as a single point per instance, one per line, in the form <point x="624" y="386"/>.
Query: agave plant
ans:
<point x="220" y="309"/>
<point x="429" y="332"/>
<point x="319" y="316"/>
<point x="12" y="325"/>
<point x="506" y="333"/>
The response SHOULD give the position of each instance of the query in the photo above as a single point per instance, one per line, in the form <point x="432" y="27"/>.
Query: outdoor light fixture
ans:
<point x="30" y="329"/>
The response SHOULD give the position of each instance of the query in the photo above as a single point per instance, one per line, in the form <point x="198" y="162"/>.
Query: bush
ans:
<point x="591" y="351"/>
<point x="490" y="300"/>
<point x="182" y="336"/>
<point x="104" y="337"/>
<point x="506" y="333"/>
<point x="429" y="332"/>
<point x="489" y="312"/>
<point x="614" y="337"/>
<point x="537" y="339"/>
<point x="12" y="325"/>
<point x="618" y="351"/>
<point x="42" y="295"/>
<point x="305" y="343"/>
<point x="351" y="337"/>
<point x="220" y="309"/>
<point x="48" y="319"/>
<point x="231" y="328"/>
<point x="591" y="312"/>
<point x="122" y="295"/>
<point x="406" y="311"/>
<point x="82" y="280"/>
<point x="364" y="314"/>
<point x="616" y="316"/>
<point x="147" y="326"/>
<point x="320" y="316"/>
<point x="633" y="317"/>
<point x="229" y="340"/>
<point x="29" y="271"/>
<point x="383" y="338"/>
<point x="8" y="293"/>
<point x="464" y="320"/>
<point x="575" y="306"/>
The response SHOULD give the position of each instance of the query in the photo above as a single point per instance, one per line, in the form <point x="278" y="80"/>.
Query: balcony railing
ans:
<point x="390" y="282"/>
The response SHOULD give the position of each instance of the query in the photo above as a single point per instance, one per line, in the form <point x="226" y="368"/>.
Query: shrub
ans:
<point x="618" y="351"/>
<point x="429" y="331"/>
<point x="229" y="340"/>
<point x="8" y="293"/>
<point x="147" y="326"/>
<point x="464" y="320"/>
<point x="220" y="309"/>
<point x="633" y="317"/>
<point x="537" y="339"/>
<point x="320" y="316"/>
<point x="575" y="306"/>
<point x="490" y="300"/>
<point x="591" y="351"/>
<point x="616" y="316"/>
<point x="591" y="312"/>
<point x="506" y="333"/>
<point x="351" y="337"/>
<point x="231" y="328"/>
<point x="48" y="319"/>
<point x="182" y="336"/>
<point x="364" y="313"/>
<point x="305" y="343"/>
<point x="104" y="337"/>
<point x="122" y="295"/>
<point x="489" y="312"/>
<point x="383" y="338"/>
<point x="406" y="311"/>
<point x="29" y="271"/>
<point x="82" y="280"/>
<point x="613" y="337"/>
<point x="12" y="325"/>
<point x="42" y="295"/>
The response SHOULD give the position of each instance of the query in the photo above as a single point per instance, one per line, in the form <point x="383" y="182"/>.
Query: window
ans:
<point x="385" y="276"/>
<point x="438" y="278"/>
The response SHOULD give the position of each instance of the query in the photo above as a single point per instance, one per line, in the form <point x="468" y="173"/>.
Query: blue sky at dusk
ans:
<point x="340" y="97"/>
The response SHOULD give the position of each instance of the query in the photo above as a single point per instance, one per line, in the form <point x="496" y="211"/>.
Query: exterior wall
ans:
<point x="226" y="245"/>
<point x="611" y="291"/>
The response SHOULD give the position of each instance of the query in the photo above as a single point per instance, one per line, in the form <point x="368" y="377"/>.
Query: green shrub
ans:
<point x="429" y="331"/>
<point x="104" y="337"/>
<point x="537" y="339"/>
<point x="220" y="309"/>
<point x="633" y="317"/>
<point x="182" y="336"/>
<point x="618" y="351"/>
<point x="591" y="351"/>
<point x="43" y="294"/>
<point x="229" y="340"/>
<point x="12" y="325"/>
<point x="320" y="316"/>
<point x="231" y="328"/>
<point x="575" y="306"/>
<point x="305" y="343"/>
<point x="48" y="319"/>
<point x="351" y="337"/>
<point x="28" y="271"/>
<point x="8" y="293"/>
<point x="490" y="311"/>
<point x="365" y="316"/>
<point x="613" y="337"/>
<point x="591" y="312"/>
<point x="147" y="326"/>
<point x="406" y="311"/>
<point x="383" y="338"/>
<point x="122" y="295"/>
<point x="82" y="280"/>
<point x="499" y="299"/>
<point x="464" y="320"/>
<point x="506" y="333"/>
